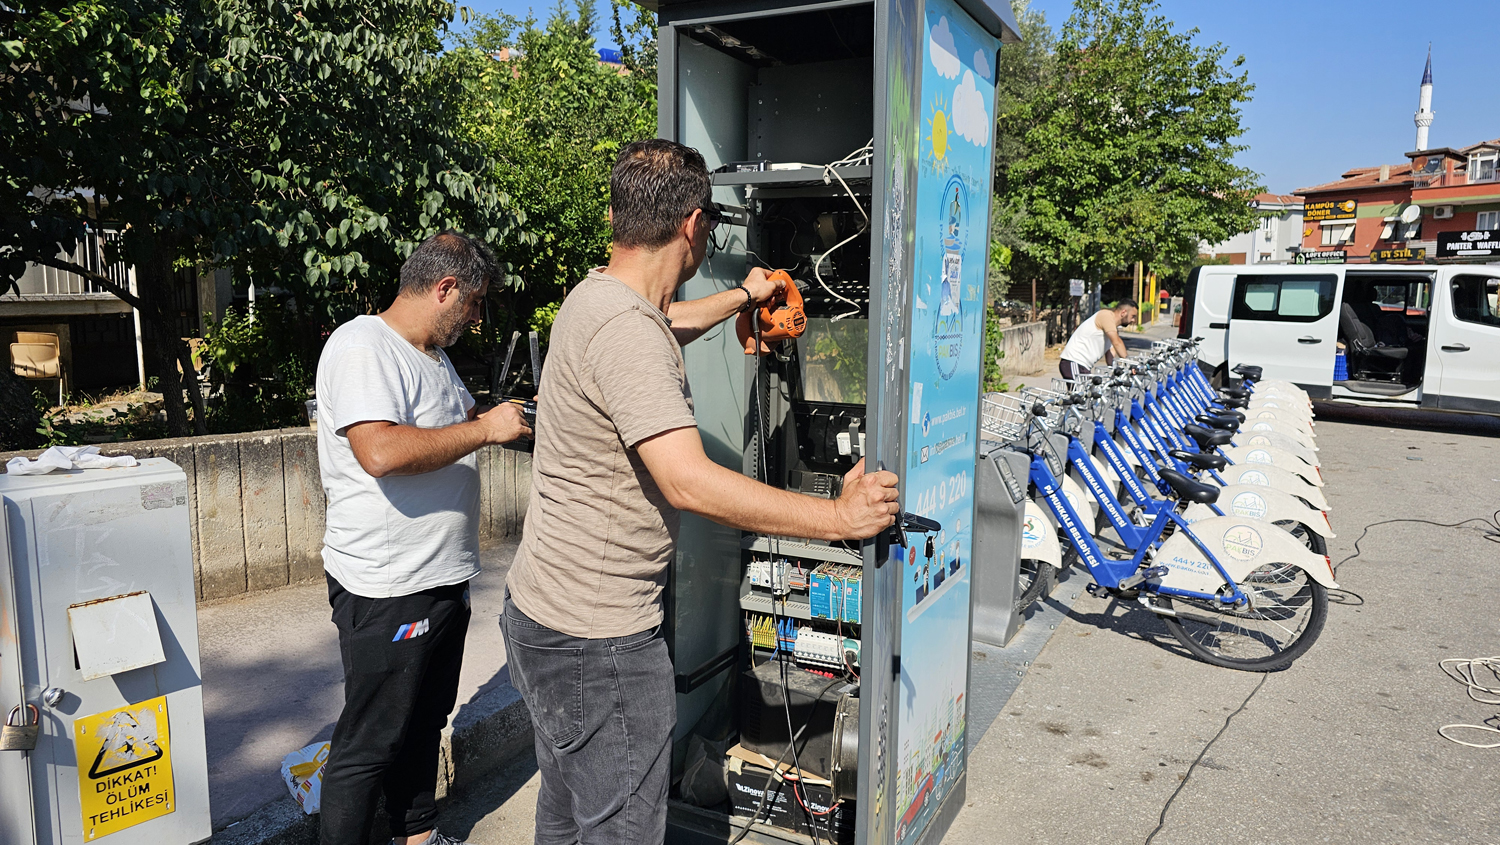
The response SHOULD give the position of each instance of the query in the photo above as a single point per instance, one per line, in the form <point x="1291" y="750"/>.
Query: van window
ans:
<point x="1292" y="299"/>
<point x="1474" y="299"/>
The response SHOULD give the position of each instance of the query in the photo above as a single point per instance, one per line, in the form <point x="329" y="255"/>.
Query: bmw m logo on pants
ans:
<point x="409" y="630"/>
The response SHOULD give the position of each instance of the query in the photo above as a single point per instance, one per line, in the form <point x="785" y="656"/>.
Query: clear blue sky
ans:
<point x="1335" y="80"/>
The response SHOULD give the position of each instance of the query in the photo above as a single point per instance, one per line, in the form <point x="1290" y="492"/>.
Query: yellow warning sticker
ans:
<point x="124" y="767"/>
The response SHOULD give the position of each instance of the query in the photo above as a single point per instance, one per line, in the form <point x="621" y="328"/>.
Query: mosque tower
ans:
<point x="1424" y="114"/>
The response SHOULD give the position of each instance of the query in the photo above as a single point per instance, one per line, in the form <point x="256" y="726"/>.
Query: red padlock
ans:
<point x="783" y="319"/>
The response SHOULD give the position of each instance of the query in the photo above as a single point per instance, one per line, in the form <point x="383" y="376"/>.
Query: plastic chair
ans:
<point x="38" y="361"/>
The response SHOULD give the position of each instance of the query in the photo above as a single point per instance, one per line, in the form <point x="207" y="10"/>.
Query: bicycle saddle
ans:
<point x="1236" y="392"/>
<point x="1248" y="371"/>
<point x="1207" y="438"/>
<point x="1234" y="401"/>
<point x="1189" y="490"/>
<point x="1201" y="460"/>
<point x="1225" y="422"/>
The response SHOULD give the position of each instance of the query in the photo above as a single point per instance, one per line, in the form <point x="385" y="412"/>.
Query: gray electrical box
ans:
<point x="851" y="144"/>
<point x="100" y="637"/>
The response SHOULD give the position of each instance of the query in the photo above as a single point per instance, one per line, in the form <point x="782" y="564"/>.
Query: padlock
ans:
<point x="14" y="737"/>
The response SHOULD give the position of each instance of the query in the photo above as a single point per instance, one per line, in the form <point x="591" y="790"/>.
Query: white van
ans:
<point x="1416" y="335"/>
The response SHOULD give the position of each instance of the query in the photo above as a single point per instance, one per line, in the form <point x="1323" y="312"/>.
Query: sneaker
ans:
<point x="438" y="838"/>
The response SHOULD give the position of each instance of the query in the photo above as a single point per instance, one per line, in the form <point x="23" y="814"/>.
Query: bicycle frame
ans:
<point x="1110" y="573"/>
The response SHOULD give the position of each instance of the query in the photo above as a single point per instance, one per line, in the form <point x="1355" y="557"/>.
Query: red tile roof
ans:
<point x="1364" y="177"/>
<point x="1285" y="199"/>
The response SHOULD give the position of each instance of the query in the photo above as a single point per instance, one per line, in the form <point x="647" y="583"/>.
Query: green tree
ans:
<point x="1127" y="153"/>
<point x="552" y="117"/>
<point x="308" y="144"/>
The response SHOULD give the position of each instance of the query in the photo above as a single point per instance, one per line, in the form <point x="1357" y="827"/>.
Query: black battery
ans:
<point x="783" y="809"/>
<point x="813" y="701"/>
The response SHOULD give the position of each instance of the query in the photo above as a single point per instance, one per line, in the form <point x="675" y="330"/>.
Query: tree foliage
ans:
<point x="552" y="117"/>
<point x="1120" y="148"/>
<point x="310" y="144"/>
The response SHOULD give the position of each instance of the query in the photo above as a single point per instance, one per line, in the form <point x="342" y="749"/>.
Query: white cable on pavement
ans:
<point x="1465" y="671"/>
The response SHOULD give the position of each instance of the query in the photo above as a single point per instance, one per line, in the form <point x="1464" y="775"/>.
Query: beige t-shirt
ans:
<point x="599" y="533"/>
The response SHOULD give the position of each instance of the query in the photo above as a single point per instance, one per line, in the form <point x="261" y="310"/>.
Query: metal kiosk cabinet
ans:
<point x="851" y="143"/>
<point x="99" y="632"/>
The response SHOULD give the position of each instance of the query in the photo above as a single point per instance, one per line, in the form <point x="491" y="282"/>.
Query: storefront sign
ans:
<point x="1329" y="210"/>
<point x="1382" y="256"/>
<point x="1331" y="256"/>
<point x="124" y="767"/>
<point x="1483" y="244"/>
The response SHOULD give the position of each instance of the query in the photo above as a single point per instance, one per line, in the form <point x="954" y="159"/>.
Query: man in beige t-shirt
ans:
<point x="617" y="458"/>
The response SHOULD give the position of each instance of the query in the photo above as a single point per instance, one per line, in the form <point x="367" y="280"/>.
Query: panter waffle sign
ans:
<point x="124" y="767"/>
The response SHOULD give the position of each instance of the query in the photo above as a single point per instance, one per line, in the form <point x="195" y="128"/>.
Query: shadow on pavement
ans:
<point x="1445" y="421"/>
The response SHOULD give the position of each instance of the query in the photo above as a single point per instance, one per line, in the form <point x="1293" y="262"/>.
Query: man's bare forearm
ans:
<point x="388" y="449"/>
<point x="732" y="499"/>
<point x="692" y="318"/>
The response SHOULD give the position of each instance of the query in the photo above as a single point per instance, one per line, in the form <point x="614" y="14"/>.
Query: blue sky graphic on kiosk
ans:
<point x="950" y="251"/>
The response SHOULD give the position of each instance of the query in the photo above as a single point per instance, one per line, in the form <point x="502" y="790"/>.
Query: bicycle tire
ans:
<point x="1209" y="643"/>
<point x="1031" y="581"/>
<point x="1302" y="534"/>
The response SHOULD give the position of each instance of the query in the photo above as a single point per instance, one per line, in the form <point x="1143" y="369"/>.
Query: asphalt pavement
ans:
<point x="1117" y="735"/>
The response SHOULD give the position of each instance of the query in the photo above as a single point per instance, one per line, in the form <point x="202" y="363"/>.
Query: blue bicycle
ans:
<point x="1235" y="592"/>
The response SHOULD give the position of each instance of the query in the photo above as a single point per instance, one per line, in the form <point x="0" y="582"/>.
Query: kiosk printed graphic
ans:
<point x="954" y="156"/>
<point x="124" y="767"/>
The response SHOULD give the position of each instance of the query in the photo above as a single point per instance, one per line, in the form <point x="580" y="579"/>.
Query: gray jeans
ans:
<point x="603" y="712"/>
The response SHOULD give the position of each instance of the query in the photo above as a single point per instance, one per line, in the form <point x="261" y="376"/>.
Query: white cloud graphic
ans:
<point x="970" y="119"/>
<point x="944" y="53"/>
<point x="981" y="64"/>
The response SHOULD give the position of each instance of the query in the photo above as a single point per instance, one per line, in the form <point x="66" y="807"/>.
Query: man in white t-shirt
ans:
<point x="396" y="440"/>
<point x="1098" y="336"/>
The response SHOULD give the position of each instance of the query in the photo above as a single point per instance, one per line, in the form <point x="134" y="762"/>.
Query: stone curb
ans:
<point x="485" y="734"/>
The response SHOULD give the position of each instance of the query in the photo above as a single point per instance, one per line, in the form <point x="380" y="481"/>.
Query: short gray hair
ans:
<point x="450" y="253"/>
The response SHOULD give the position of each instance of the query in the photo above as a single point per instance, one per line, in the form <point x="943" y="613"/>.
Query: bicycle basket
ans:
<point x="1002" y="417"/>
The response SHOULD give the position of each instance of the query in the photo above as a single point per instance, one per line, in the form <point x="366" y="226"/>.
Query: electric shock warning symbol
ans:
<point x="124" y="767"/>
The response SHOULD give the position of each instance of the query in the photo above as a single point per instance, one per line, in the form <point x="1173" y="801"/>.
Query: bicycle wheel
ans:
<point x="1286" y="614"/>
<point x="1302" y="534"/>
<point x="1031" y="581"/>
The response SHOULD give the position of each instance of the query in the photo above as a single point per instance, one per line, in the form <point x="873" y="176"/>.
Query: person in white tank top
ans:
<point x="1096" y="337"/>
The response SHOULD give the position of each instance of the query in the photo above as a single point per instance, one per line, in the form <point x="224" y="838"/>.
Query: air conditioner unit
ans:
<point x="1442" y="212"/>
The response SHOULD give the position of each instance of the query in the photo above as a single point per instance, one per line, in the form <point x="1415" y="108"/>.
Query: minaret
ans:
<point x="1424" y="113"/>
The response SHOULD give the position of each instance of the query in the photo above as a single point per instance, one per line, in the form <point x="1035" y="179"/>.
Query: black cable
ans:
<point x="1491" y="531"/>
<point x="765" y="792"/>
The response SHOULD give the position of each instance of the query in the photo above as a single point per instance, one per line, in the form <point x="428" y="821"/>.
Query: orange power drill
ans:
<point x="784" y="318"/>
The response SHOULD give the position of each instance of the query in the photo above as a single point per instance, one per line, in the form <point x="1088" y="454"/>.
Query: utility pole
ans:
<point x="1140" y="305"/>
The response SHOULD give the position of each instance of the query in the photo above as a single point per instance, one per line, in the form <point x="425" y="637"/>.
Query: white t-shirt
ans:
<point x="397" y="535"/>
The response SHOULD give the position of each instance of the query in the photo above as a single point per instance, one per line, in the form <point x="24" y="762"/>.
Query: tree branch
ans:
<point x="102" y="281"/>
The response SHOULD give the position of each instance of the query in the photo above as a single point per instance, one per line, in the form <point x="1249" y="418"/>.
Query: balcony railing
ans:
<point x="40" y="280"/>
<point x="1454" y="179"/>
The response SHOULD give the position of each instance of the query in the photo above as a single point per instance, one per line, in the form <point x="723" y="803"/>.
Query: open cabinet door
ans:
<point x="1287" y="324"/>
<point x="1465" y="341"/>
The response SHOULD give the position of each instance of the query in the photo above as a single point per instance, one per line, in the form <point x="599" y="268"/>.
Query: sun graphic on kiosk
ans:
<point x="940" y="130"/>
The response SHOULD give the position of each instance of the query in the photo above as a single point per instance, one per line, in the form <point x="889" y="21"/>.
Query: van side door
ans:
<point x="1286" y="322"/>
<point x="1464" y="341"/>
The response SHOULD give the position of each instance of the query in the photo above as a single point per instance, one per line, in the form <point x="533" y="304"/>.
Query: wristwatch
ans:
<point x="749" y="299"/>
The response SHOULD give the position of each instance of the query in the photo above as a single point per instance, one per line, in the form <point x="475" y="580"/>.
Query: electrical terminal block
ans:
<point x="819" y="649"/>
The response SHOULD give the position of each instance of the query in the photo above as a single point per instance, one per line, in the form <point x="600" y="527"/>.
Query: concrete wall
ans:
<point x="1025" y="348"/>
<point x="256" y="504"/>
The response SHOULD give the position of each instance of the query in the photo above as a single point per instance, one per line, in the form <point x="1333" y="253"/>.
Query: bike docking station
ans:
<point x="99" y="668"/>
<point x="822" y="686"/>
